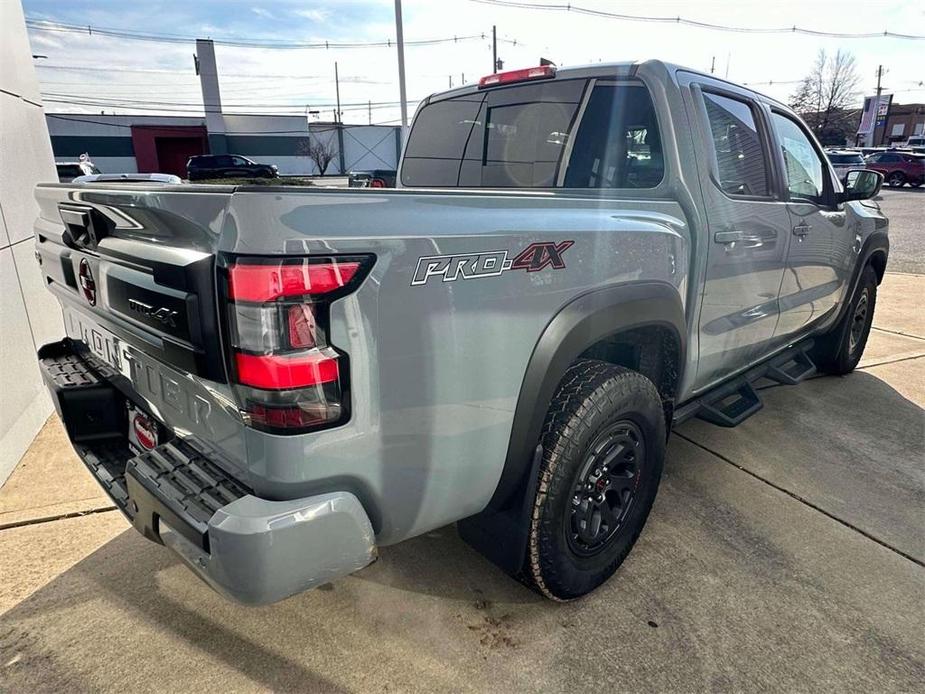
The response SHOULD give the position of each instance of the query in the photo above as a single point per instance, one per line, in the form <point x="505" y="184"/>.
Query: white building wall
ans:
<point x="115" y="164"/>
<point x="29" y="316"/>
<point x="370" y="147"/>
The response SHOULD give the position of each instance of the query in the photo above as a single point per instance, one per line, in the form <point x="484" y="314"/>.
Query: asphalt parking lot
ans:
<point x="905" y="208"/>
<point x="786" y="554"/>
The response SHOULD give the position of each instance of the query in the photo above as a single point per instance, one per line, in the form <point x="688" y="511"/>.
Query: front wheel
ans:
<point x="839" y="352"/>
<point x="603" y="450"/>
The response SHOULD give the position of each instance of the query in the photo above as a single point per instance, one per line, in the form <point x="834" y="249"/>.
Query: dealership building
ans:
<point x="162" y="144"/>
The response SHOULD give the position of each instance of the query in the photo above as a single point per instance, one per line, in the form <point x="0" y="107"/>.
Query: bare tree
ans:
<point x="321" y="152"/>
<point x="826" y="96"/>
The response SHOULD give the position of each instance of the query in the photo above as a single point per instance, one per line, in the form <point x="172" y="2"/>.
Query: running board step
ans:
<point x="731" y="406"/>
<point x="792" y="368"/>
<point x="732" y="403"/>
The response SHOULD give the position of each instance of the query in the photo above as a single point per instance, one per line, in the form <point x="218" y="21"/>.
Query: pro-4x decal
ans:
<point x="535" y="257"/>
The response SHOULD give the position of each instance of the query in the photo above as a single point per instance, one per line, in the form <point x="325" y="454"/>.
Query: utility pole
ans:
<point x="494" y="49"/>
<point x="401" y="70"/>
<point x="877" y="106"/>
<point x="713" y="65"/>
<point x="337" y="87"/>
<point x="370" y="111"/>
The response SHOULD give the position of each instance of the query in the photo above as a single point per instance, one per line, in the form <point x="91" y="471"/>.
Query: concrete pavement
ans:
<point x="785" y="554"/>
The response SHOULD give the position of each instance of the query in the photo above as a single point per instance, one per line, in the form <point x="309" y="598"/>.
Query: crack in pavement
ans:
<point x="891" y="361"/>
<point x="898" y="332"/>
<point x="803" y="501"/>
<point x="61" y="516"/>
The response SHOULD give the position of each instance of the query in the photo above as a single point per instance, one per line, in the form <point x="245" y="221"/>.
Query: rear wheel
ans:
<point x="604" y="447"/>
<point x="840" y="351"/>
<point x="896" y="179"/>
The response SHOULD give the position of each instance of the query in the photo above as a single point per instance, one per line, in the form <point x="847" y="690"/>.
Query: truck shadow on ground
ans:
<point x="290" y="645"/>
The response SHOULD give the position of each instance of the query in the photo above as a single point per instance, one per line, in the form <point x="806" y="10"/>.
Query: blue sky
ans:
<point x="143" y="76"/>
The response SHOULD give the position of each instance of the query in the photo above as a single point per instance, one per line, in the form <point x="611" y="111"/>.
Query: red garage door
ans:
<point x="165" y="149"/>
<point x="173" y="152"/>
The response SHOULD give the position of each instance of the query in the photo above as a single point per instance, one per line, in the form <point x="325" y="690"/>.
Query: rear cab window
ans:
<point x="578" y="133"/>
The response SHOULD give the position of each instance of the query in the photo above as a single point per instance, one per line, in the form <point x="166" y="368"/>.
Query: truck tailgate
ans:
<point x="139" y="267"/>
<point x="134" y="271"/>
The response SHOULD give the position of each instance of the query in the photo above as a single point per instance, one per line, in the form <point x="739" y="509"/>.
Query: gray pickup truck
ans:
<point x="276" y="382"/>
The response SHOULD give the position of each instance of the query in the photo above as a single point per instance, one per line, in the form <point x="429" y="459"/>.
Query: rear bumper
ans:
<point x="253" y="550"/>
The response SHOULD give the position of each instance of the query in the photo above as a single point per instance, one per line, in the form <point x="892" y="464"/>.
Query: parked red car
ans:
<point x="899" y="168"/>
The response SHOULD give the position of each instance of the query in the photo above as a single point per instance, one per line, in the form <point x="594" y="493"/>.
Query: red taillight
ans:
<point x="541" y="72"/>
<point x="283" y="372"/>
<point x="289" y="376"/>
<point x="302" y="326"/>
<point x="377" y="183"/>
<point x="258" y="281"/>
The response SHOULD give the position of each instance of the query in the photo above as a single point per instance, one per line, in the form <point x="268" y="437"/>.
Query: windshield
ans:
<point x="846" y="158"/>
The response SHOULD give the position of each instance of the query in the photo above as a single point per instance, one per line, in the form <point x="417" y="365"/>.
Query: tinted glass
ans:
<point x="517" y="137"/>
<point x="846" y="159"/>
<point x="617" y="144"/>
<point x="805" y="178"/>
<point x="222" y="160"/>
<point x="740" y="158"/>
<point x="435" y="148"/>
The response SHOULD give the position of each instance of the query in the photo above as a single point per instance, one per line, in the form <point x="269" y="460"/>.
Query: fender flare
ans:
<point x="500" y="530"/>
<point x="581" y="323"/>
<point x="876" y="244"/>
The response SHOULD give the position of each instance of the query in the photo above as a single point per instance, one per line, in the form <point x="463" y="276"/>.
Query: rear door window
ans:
<point x="741" y="162"/>
<point x="519" y="137"/>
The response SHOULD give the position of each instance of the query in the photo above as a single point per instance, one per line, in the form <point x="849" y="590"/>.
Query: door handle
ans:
<point x="801" y="229"/>
<point x="740" y="239"/>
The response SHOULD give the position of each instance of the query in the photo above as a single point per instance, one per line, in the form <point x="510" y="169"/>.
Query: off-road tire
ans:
<point x="595" y="403"/>
<point x="897" y="179"/>
<point x="839" y="351"/>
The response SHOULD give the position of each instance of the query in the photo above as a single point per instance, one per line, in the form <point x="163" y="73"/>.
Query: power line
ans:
<point x="77" y="118"/>
<point x="90" y="30"/>
<point x="300" y="103"/>
<point x="142" y="106"/>
<point x="193" y="112"/>
<point x="770" y="83"/>
<point x="161" y="71"/>
<point x="694" y="23"/>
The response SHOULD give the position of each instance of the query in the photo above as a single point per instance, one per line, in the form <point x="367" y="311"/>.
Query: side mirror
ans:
<point x="861" y="184"/>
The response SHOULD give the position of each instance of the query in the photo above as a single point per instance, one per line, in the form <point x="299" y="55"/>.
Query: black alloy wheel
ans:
<point x="606" y="488"/>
